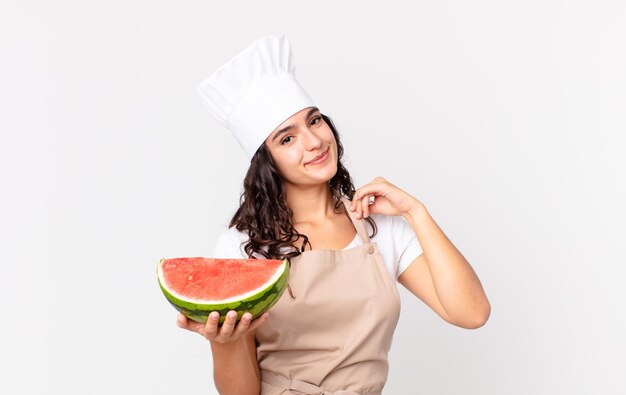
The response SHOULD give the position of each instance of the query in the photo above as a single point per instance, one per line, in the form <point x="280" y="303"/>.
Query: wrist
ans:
<point x="417" y="211"/>
<point x="228" y="346"/>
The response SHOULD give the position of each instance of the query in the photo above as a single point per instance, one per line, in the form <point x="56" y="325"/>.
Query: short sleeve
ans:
<point x="406" y="244"/>
<point x="228" y="246"/>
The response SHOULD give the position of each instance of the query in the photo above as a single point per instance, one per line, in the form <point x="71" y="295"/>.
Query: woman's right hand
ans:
<point x="230" y="330"/>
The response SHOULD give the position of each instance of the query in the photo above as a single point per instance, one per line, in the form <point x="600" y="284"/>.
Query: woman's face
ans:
<point x="304" y="148"/>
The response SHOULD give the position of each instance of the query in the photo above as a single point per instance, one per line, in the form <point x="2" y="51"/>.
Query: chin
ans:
<point x="329" y="176"/>
<point x="319" y="178"/>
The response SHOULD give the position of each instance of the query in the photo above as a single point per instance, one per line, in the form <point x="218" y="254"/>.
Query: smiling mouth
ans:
<point x="319" y="159"/>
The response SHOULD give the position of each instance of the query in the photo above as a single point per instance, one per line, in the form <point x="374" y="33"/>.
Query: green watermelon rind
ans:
<point x="256" y="304"/>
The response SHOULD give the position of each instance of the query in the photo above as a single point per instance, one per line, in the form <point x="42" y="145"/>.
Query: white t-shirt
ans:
<point x="395" y="238"/>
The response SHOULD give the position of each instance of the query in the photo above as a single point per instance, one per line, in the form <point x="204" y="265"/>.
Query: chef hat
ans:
<point x="255" y="91"/>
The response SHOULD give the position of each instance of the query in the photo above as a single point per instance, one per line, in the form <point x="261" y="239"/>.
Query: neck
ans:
<point x="311" y="204"/>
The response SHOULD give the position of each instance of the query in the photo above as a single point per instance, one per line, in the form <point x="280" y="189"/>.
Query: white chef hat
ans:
<point x="255" y="91"/>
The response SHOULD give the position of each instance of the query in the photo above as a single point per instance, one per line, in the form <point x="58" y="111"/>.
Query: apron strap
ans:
<point x="300" y="386"/>
<point x="359" y="223"/>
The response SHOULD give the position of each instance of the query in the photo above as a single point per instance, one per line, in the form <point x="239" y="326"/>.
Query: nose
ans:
<point x="311" y="140"/>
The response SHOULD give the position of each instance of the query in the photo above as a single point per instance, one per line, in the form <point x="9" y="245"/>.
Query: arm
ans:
<point x="441" y="276"/>
<point x="235" y="366"/>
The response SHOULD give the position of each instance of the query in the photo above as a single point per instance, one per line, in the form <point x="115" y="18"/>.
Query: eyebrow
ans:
<point x="286" y="128"/>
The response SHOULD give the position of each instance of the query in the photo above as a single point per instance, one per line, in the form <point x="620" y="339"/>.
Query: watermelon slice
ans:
<point x="198" y="286"/>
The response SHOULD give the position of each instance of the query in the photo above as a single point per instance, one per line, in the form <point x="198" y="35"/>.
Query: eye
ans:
<point x="286" y="140"/>
<point x="318" y="118"/>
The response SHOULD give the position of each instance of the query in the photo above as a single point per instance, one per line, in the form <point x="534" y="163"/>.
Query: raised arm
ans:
<point x="441" y="276"/>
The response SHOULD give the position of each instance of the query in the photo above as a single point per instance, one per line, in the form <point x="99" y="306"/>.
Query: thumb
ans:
<point x="188" y="324"/>
<point x="181" y="320"/>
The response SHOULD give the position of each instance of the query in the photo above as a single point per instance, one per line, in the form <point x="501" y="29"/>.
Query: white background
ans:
<point x="506" y="118"/>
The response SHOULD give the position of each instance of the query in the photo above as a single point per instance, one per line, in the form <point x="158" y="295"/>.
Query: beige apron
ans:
<point x="331" y="334"/>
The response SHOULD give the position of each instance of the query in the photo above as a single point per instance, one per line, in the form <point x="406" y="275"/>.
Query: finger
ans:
<point x="357" y="207"/>
<point x="365" y="204"/>
<point x="181" y="320"/>
<point x="188" y="324"/>
<point x="353" y="204"/>
<point x="210" y="328"/>
<point x="243" y="325"/>
<point x="358" y="194"/>
<point x="229" y="324"/>
<point x="369" y="189"/>
<point x="259" y="321"/>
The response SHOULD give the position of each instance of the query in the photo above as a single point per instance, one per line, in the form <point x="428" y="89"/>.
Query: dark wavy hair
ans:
<point x="263" y="212"/>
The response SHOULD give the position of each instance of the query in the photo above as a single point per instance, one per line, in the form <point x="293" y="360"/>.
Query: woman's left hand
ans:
<point x="388" y="200"/>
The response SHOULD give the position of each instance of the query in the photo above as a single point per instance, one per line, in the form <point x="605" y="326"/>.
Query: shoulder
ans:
<point x="229" y="244"/>
<point x="397" y="242"/>
<point x="392" y="227"/>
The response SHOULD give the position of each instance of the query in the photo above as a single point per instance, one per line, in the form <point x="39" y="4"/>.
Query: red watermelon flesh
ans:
<point x="198" y="286"/>
<point x="217" y="279"/>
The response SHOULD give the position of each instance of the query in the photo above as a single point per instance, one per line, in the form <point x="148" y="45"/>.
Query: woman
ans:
<point x="331" y="332"/>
